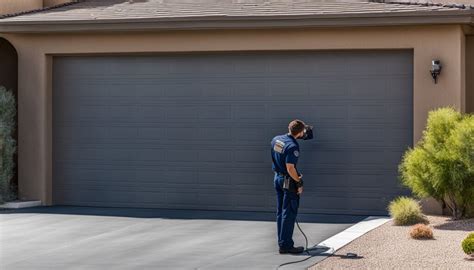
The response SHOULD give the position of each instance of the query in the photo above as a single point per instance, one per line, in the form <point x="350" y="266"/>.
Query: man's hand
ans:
<point x="300" y="190"/>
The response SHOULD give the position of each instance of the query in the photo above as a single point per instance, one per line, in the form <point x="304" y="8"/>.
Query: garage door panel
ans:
<point x="324" y="204"/>
<point x="244" y="89"/>
<point x="376" y="135"/>
<point x="328" y="88"/>
<point x="372" y="158"/>
<point x="242" y="136"/>
<point x="400" y="110"/>
<point x="215" y="112"/>
<point x="326" y="180"/>
<point x="360" y="205"/>
<point x="396" y="87"/>
<point x="72" y="154"/>
<point x="187" y="112"/>
<point x="177" y="90"/>
<point x="84" y="89"/>
<point x="181" y="155"/>
<point x="219" y="134"/>
<point x="216" y="200"/>
<point x="312" y="112"/>
<point x="249" y="179"/>
<point x="178" y="133"/>
<point x="251" y="155"/>
<point x="105" y="197"/>
<point x="134" y="183"/>
<point x="112" y="88"/>
<point x="150" y="112"/>
<point x="119" y="132"/>
<point x="252" y="201"/>
<point x="69" y="174"/>
<point x="215" y="178"/>
<point x="218" y="156"/>
<point x="177" y="199"/>
<point x="147" y="132"/>
<point x="193" y="131"/>
<point x="368" y="112"/>
<point x="244" y="112"/>
<point x="370" y="88"/>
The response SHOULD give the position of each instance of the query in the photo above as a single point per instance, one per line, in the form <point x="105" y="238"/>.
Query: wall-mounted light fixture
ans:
<point x="435" y="69"/>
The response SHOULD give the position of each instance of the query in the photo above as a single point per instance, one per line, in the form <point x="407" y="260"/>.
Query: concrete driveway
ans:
<point x="115" y="238"/>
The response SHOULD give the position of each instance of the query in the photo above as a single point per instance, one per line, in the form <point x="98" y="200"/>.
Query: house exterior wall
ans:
<point x="49" y="3"/>
<point x="35" y="65"/>
<point x="14" y="6"/>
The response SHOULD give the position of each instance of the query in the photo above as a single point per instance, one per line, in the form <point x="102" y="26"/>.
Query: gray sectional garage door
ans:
<point x="192" y="131"/>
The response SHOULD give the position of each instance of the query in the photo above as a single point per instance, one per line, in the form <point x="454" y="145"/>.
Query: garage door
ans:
<point x="193" y="131"/>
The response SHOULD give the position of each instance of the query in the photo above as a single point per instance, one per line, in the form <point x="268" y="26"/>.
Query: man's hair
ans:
<point x="296" y="126"/>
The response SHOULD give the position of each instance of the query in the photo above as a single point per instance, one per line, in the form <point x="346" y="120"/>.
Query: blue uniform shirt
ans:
<point x="285" y="149"/>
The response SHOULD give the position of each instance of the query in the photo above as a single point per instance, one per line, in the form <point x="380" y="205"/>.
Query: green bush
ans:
<point x="468" y="244"/>
<point x="406" y="211"/>
<point x="442" y="163"/>
<point x="7" y="144"/>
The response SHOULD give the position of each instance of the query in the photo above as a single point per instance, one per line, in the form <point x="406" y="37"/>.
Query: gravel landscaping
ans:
<point x="390" y="247"/>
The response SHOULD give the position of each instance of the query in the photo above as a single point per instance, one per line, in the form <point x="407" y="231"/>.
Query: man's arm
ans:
<point x="292" y="171"/>
<point x="294" y="174"/>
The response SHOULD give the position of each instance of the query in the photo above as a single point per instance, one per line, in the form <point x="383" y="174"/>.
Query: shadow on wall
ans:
<point x="9" y="79"/>
<point x="182" y="214"/>
<point x="8" y="65"/>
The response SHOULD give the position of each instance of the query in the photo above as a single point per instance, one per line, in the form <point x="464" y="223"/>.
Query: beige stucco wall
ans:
<point x="35" y="61"/>
<point x="48" y="3"/>
<point x="13" y="6"/>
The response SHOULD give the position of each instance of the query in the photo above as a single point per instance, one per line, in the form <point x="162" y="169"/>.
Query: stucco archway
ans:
<point x="9" y="79"/>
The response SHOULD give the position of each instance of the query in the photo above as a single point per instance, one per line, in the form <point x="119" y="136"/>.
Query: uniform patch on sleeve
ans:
<point x="296" y="153"/>
<point x="278" y="147"/>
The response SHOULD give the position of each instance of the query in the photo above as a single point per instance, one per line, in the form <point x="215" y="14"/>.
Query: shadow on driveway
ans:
<point x="181" y="214"/>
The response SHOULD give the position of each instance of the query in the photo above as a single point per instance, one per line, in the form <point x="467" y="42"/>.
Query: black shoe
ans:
<point x="293" y="250"/>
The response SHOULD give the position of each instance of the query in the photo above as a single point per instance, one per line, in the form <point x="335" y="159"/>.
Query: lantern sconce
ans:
<point x="435" y="69"/>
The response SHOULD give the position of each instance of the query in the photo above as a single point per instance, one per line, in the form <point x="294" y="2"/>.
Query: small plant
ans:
<point x="406" y="211"/>
<point x="468" y="244"/>
<point x="442" y="163"/>
<point x="421" y="231"/>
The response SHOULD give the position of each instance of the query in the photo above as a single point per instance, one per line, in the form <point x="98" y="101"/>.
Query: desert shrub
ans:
<point x="421" y="231"/>
<point x="442" y="163"/>
<point x="406" y="211"/>
<point x="468" y="244"/>
<point x="7" y="144"/>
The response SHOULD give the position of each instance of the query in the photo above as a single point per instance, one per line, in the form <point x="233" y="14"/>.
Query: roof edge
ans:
<point x="242" y="22"/>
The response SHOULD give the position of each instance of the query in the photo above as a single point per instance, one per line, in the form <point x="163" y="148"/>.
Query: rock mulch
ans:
<point x="390" y="247"/>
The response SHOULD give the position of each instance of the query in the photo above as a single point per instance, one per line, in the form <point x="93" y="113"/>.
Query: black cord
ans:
<point x="305" y="237"/>
<point x="306" y="249"/>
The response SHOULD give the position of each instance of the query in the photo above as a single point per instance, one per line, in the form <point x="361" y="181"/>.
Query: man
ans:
<point x="288" y="182"/>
